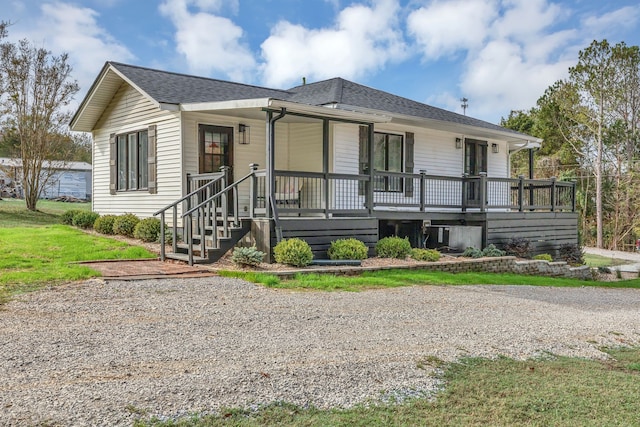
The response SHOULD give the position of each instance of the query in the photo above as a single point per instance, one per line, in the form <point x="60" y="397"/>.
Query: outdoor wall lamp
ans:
<point x="495" y="148"/>
<point x="458" y="143"/>
<point x="245" y="134"/>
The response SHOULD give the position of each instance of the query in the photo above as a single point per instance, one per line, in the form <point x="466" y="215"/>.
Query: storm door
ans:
<point x="215" y="148"/>
<point x="475" y="163"/>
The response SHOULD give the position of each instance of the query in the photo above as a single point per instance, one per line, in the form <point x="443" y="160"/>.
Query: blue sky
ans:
<point x="500" y="54"/>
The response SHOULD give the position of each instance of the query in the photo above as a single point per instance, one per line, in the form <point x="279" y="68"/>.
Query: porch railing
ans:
<point x="330" y="193"/>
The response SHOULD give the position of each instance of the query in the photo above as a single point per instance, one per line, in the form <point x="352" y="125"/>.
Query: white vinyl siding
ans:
<point x="129" y="111"/>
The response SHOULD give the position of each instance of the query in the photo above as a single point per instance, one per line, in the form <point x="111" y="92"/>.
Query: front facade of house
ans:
<point x="321" y="161"/>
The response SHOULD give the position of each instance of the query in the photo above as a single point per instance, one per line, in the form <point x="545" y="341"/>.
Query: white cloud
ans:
<point x="626" y="17"/>
<point x="363" y="39"/>
<point x="510" y="51"/>
<point x="209" y="43"/>
<point x="446" y="27"/>
<point x="63" y="27"/>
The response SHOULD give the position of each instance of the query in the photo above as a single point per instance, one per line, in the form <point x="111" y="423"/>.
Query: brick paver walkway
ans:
<point x="146" y="269"/>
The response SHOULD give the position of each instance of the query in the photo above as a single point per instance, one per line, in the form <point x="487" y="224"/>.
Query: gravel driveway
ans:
<point x="101" y="353"/>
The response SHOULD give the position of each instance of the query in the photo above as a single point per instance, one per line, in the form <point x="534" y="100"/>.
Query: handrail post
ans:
<point x="520" y="193"/>
<point x="325" y="189"/>
<point x="225" y="207"/>
<point x="463" y="202"/>
<point x="174" y="238"/>
<point x="423" y="188"/>
<point x="253" y="188"/>
<point x="553" y="194"/>
<point x="162" y="239"/>
<point x="483" y="191"/>
<point x="189" y="238"/>
<point x="573" y="196"/>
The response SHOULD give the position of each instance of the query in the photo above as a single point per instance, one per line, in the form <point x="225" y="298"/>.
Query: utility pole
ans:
<point x="464" y="105"/>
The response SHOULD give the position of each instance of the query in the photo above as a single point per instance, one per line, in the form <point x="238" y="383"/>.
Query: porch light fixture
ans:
<point x="245" y="134"/>
<point x="495" y="148"/>
<point x="458" y="143"/>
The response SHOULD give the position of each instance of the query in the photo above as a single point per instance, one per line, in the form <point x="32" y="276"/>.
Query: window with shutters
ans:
<point x="387" y="157"/>
<point x="132" y="161"/>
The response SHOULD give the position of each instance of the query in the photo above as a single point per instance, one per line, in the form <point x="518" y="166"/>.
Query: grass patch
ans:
<point x="400" y="277"/>
<point x="13" y="212"/>
<point x="595" y="261"/>
<point x="48" y="254"/>
<point x="504" y="392"/>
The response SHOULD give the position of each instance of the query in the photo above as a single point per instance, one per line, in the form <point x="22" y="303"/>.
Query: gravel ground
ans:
<point x="99" y="353"/>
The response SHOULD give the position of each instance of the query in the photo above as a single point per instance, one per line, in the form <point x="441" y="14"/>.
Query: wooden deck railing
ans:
<point x="331" y="193"/>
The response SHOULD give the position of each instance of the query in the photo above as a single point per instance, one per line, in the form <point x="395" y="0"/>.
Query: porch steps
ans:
<point x="212" y="254"/>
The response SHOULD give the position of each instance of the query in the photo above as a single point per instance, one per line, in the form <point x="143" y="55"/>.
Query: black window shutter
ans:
<point x="152" y="158"/>
<point x="408" y="163"/>
<point x="113" y="172"/>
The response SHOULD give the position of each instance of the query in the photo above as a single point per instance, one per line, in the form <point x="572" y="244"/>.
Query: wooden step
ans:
<point x="185" y="258"/>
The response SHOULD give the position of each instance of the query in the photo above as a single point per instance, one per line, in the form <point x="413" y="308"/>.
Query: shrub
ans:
<point x="472" y="252"/>
<point x="544" y="257"/>
<point x="348" y="249"/>
<point x="393" y="247"/>
<point x="85" y="219"/>
<point x="67" y="216"/>
<point x="519" y="247"/>
<point x="125" y="224"/>
<point x="492" y="251"/>
<point x="295" y="252"/>
<point x="247" y="256"/>
<point x="572" y="254"/>
<point x="147" y="230"/>
<point x="430" y="255"/>
<point x="104" y="224"/>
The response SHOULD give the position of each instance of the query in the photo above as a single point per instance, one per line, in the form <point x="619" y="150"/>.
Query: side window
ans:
<point x="132" y="161"/>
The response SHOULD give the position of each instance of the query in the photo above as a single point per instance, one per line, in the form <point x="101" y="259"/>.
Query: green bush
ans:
<point x="492" y="251"/>
<point x="472" y="252"/>
<point x="125" y="224"/>
<point x="147" y="230"/>
<point x="247" y="256"/>
<point x="67" y="216"/>
<point x="393" y="247"/>
<point x="348" y="249"/>
<point x="430" y="255"/>
<point x="85" y="219"/>
<point x="295" y="252"/>
<point x="544" y="257"/>
<point x="104" y="224"/>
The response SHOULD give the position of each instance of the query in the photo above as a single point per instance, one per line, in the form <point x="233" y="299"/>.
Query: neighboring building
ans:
<point x="69" y="179"/>
<point x="336" y="159"/>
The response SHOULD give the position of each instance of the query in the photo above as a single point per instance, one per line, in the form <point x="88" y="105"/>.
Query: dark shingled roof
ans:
<point x="345" y="92"/>
<point x="175" y="88"/>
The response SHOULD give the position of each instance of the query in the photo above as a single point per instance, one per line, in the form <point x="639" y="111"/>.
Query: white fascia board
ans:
<point x="226" y="105"/>
<point x="330" y="111"/>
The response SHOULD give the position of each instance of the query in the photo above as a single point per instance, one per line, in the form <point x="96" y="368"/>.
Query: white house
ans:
<point x="320" y="161"/>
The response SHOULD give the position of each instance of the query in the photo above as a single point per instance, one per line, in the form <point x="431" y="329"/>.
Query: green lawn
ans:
<point x="13" y="212"/>
<point x="479" y="392"/>
<point x="396" y="278"/>
<point x="602" y="261"/>
<point x="36" y="250"/>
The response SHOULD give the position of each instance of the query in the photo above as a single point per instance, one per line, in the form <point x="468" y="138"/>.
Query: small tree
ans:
<point x="35" y="86"/>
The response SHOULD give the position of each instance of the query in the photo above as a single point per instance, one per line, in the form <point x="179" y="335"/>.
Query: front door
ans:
<point x="216" y="150"/>
<point x="475" y="162"/>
